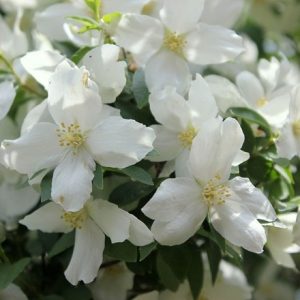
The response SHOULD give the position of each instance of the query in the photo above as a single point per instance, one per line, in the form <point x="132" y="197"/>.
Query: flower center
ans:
<point x="174" y="42"/>
<point x="85" y="79"/>
<point x="215" y="193"/>
<point x="261" y="102"/>
<point x="75" y="219"/>
<point x="148" y="8"/>
<point x="70" y="136"/>
<point x="186" y="137"/>
<point x="296" y="128"/>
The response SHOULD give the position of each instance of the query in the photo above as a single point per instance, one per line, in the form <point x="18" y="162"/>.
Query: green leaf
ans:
<point x="65" y="242"/>
<point x="98" y="177"/>
<point x="95" y="6"/>
<point x="85" y="21"/>
<point x="139" y="88"/>
<point x="79" y="54"/>
<point x="128" y="195"/>
<point x="46" y="188"/>
<point x="214" y="258"/>
<point x="145" y="251"/>
<point x="9" y="272"/>
<point x="250" y="116"/>
<point x="195" y="274"/>
<point x="138" y="174"/>
<point x="111" y="18"/>
<point x="122" y="251"/>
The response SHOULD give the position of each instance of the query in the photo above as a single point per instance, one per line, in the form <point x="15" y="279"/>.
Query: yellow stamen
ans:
<point x="148" y="8"/>
<point x="261" y="102"/>
<point x="215" y="193"/>
<point x="174" y="42"/>
<point x="75" y="219"/>
<point x="296" y="128"/>
<point x="70" y="136"/>
<point x="186" y="137"/>
<point x="85" y="79"/>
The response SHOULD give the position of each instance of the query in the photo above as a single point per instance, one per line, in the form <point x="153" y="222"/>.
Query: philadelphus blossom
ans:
<point x="288" y="144"/>
<point x="181" y="121"/>
<point x="164" y="46"/>
<point x="80" y="134"/>
<point x="231" y="284"/>
<point x="180" y="205"/>
<point x="7" y="96"/>
<point x="95" y="220"/>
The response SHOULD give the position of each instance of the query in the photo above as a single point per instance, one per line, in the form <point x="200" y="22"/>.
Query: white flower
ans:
<point x="7" y="96"/>
<point x="95" y="220"/>
<point x="180" y="205"/>
<point x="16" y="197"/>
<point x="181" y="121"/>
<point x="112" y="283"/>
<point x="166" y="45"/>
<point x="281" y="240"/>
<point x="101" y="62"/>
<point x="231" y="284"/>
<point x="81" y="132"/>
<point x="288" y="144"/>
<point x="12" y="292"/>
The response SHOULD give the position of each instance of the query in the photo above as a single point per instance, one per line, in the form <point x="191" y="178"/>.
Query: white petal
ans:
<point x="208" y="44"/>
<point x="141" y="35"/>
<point x="148" y="296"/>
<point x="7" y="96"/>
<point x="182" y="227"/>
<point x="166" y="144"/>
<point x="225" y="92"/>
<point x="8" y="129"/>
<point x="171" y="198"/>
<point x="41" y="65"/>
<point x="167" y="68"/>
<point x="215" y="14"/>
<point x="202" y="103"/>
<point x="240" y="158"/>
<point x="215" y="148"/>
<point x="253" y="199"/>
<point x="12" y="292"/>
<point x="139" y="234"/>
<point x="73" y="97"/>
<point x="181" y="16"/>
<point x="287" y="144"/>
<point x="106" y="71"/>
<point x="295" y="103"/>
<point x="48" y="218"/>
<point x="119" y="143"/>
<point x="72" y="180"/>
<point x="170" y="109"/>
<point x="238" y="225"/>
<point x="250" y="87"/>
<point x="182" y="168"/>
<point x="35" y="150"/>
<point x="113" y="221"/>
<point x="38" y="114"/>
<point x="87" y="254"/>
<point x="133" y="6"/>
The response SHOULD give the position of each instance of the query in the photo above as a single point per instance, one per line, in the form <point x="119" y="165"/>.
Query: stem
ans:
<point x="17" y="78"/>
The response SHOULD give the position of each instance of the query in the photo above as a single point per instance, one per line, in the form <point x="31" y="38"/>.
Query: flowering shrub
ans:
<point x="149" y="150"/>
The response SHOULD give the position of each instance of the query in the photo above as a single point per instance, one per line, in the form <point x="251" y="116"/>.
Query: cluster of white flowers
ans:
<point x="71" y="124"/>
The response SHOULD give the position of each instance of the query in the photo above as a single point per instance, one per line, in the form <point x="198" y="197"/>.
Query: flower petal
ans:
<point x="253" y="199"/>
<point x="181" y="16"/>
<point x="35" y="150"/>
<point x="171" y="198"/>
<point x="250" y="87"/>
<point x="170" y="109"/>
<point x="87" y="254"/>
<point x="182" y="227"/>
<point x="215" y="148"/>
<point x="12" y="292"/>
<point x="7" y="96"/>
<point x="139" y="34"/>
<point x="41" y="65"/>
<point x="166" y="68"/>
<point x="72" y="180"/>
<point x="73" y="97"/>
<point x="166" y="144"/>
<point x="139" y="234"/>
<point x="119" y="143"/>
<point x="133" y="6"/>
<point x="112" y="220"/>
<point x="48" y="218"/>
<point x="106" y="71"/>
<point x="238" y="225"/>
<point x="209" y="44"/>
